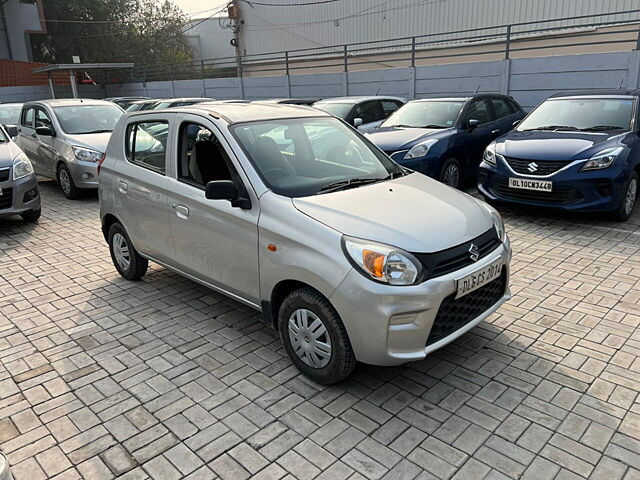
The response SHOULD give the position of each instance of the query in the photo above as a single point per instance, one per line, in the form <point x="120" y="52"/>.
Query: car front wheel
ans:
<point x="125" y="258"/>
<point x="628" y="199"/>
<point x="451" y="173"/>
<point x="314" y="337"/>
<point x="31" y="215"/>
<point x="65" y="180"/>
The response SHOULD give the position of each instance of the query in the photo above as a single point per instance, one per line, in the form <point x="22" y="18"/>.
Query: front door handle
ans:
<point x="123" y="187"/>
<point x="497" y="130"/>
<point x="34" y="135"/>
<point x="182" y="211"/>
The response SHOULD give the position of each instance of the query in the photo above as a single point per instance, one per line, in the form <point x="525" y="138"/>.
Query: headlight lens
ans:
<point x="86" y="154"/>
<point x="489" y="155"/>
<point x="383" y="263"/>
<point x="498" y="224"/>
<point x="420" y="150"/>
<point x="22" y="167"/>
<point x="602" y="159"/>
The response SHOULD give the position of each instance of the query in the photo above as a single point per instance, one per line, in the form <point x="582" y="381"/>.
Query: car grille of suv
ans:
<point x="455" y="258"/>
<point x="543" y="167"/>
<point x="454" y="314"/>
<point x="559" y="195"/>
<point x="4" y="174"/>
<point x="6" y="198"/>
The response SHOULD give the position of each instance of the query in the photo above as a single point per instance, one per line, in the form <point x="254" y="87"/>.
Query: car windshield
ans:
<point x="9" y="114"/>
<point x="339" y="110"/>
<point x="82" y="119"/>
<point x="306" y="156"/>
<point x="567" y="114"/>
<point x="426" y="114"/>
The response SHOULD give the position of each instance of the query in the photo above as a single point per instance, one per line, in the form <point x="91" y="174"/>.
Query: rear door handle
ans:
<point x="181" y="211"/>
<point x="497" y="130"/>
<point x="123" y="187"/>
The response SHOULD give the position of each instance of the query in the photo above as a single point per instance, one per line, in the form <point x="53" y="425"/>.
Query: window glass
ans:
<point x="9" y="114"/>
<point x="202" y="158"/>
<point x="27" y="117"/>
<point x="501" y="107"/>
<point x="42" y="119"/>
<point x="389" y="106"/>
<point x="147" y="145"/>
<point x="426" y="114"/>
<point x="337" y="109"/>
<point x="479" y="110"/>
<point x="369" y="111"/>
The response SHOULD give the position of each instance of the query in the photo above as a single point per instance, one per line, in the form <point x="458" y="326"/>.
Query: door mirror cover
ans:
<point x="357" y="122"/>
<point x="44" y="131"/>
<point x="221" y="190"/>
<point x="472" y="123"/>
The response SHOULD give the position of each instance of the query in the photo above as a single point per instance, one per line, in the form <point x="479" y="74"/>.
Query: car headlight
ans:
<point x="22" y="166"/>
<point x="420" y="150"/>
<point x="383" y="263"/>
<point x="86" y="154"/>
<point x="498" y="224"/>
<point x="490" y="156"/>
<point x="602" y="159"/>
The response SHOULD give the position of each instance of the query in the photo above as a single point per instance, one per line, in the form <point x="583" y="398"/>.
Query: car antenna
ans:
<point x="377" y="92"/>
<point x="621" y="82"/>
<point x="477" y="88"/>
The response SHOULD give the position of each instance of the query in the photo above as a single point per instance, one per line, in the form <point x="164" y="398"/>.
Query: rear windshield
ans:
<point x="83" y="119"/>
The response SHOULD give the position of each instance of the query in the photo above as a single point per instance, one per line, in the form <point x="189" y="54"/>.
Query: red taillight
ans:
<point x="101" y="161"/>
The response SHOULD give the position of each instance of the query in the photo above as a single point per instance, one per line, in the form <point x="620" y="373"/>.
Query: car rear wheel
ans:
<point x="125" y="258"/>
<point x="451" y="173"/>
<point x="31" y="215"/>
<point x="65" y="180"/>
<point x="314" y="337"/>
<point x="628" y="199"/>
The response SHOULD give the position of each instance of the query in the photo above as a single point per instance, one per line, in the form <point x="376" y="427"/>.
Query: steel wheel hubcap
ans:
<point x="65" y="181"/>
<point x="121" y="251"/>
<point x="451" y="176"/>
<point x="309" y="338"/>
<point x="630" y="200"/>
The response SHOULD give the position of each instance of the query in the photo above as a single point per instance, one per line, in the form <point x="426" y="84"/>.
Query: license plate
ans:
<point x="479" y="278"/>
<point x="526" y="184"/>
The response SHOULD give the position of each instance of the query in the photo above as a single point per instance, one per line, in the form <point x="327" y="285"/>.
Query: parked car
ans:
<point x="366" y="261"/>
<point x="179" y="102"/>
<point x="9" y="117"/>
<point x="291" y="101"/>
<point x="125" y="102"/>
<point x="576" y="151"/>
<point x="364" y="113"/>
<point x="19" y="193"/>
<point x="64" y="139"/>
<point x="142" y="104"/>
<point x="445" y="138"/>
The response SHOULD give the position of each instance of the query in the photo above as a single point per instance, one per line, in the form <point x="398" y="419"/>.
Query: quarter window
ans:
<point x="147" y="145"/>
<point x="201" y="156"/>
<point x="27" y="118"/>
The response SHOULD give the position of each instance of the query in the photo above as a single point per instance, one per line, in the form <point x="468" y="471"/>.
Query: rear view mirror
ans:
<point x="226" y="190"/>
<point x="44" y="131"/>
<point x="357" y="122"/>
<point x="472" y="123"/>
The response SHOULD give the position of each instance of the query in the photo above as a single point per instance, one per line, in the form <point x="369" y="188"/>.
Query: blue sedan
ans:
<point x="573" y="152"/>
<point x="445" y="138"/>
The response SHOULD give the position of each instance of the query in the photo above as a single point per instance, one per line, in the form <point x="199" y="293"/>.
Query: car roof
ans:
<point x="620" y="92"/>
<point x="246" y="112"/>
<point x="63" y="102"/>
<point x="185" y="99"/>
<point x="463" y="98"/>
<point x="11" y="104"/>
<point x="356" y="99"/>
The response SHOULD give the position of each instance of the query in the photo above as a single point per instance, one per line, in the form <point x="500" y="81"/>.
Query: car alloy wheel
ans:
<point x="65" y="181"/>
<point x="309" y="338"/>
<point x="630" y="198"/>
<point x="121" y="251"/>
<point x="451" y="176"/>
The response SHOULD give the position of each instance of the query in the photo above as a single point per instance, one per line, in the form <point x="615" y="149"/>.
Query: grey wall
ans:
<point x="24" y="94"/>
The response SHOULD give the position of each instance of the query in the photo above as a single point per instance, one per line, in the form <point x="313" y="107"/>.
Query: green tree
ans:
<point x="146" y="32"/>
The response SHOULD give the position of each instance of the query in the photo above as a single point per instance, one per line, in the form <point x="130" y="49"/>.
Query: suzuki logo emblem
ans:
<point x="474" y="252"/>
<point x="532" y="167"/>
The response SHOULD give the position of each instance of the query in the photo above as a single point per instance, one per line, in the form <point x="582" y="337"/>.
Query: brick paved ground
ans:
<point x="164" y="379"/>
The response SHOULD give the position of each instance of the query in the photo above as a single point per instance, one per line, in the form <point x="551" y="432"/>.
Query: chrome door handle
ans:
<point x="182" y="211"/>
<point x="495" y="131"/>
<point x="123" y="187"/>
<point x="34" y="135"/>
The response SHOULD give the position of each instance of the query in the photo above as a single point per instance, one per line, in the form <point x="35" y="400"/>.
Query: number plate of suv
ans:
<point x="526" y="184"/>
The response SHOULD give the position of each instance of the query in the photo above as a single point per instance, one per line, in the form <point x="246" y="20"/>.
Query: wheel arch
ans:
<point x="280" y="291"/>
<point x="108" y="220"/>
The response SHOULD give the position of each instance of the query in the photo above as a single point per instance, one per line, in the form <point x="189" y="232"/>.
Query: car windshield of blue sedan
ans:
<point x="84" y="119"/>
<point x="425" y="114"/>
<point x="580" y="114"/>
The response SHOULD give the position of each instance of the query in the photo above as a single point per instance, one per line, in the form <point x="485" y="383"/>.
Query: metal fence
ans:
<point x="517" y="40"/>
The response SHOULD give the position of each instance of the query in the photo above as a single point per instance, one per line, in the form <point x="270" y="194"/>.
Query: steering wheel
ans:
<point x="277" y="172"/>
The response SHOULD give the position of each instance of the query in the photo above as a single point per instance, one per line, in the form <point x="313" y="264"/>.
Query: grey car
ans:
<point x="65" y="139"/>
<point x="364" y="113"/>
<point x="19" y="193"/>
<point x="348" y="255"/>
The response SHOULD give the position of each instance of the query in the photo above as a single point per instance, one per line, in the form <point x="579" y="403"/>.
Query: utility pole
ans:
<point x="236" y="18"/>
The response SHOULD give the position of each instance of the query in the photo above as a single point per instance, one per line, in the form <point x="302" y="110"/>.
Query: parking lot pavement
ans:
<point x="164" y="379"/>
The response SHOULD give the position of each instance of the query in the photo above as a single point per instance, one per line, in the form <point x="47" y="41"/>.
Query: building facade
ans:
<point x="19" y="19"/>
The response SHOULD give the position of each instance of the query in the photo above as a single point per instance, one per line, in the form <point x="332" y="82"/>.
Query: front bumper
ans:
<point x="595" y="191"/>
<point x="390" y="325"/>
<point x="18" y="196"/>
<point x="84" y="174"/>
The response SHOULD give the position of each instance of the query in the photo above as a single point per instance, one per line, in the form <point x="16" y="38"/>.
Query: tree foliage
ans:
<point x="145" y="32"/>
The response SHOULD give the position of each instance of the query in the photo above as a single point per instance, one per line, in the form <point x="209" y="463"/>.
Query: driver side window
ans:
<point x="479" y="110"/>
<point x="42" y="119"/>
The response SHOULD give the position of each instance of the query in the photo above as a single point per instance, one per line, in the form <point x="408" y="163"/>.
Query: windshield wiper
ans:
<point x="95" y="131"/>
<point x="598" y="128"/>
<point x="567" y="128"/>
<point x="350" y="183"/>
<point x="402" y="126"/>
<point x="433" y="125"/>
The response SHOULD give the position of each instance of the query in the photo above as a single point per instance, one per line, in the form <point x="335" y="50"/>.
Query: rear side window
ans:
<point x="501" y="107"/>
<point x="146" y="145"/>
<point x="27" y="118"/>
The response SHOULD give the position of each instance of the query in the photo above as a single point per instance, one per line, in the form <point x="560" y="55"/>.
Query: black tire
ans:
<point x="31" y="215"/>
<point x="624" y="210"/>
<point x="137" y="265"/>
<point x="342" y="360"/>
<point x="66" y="182"/>
<point x="445" y="173"/>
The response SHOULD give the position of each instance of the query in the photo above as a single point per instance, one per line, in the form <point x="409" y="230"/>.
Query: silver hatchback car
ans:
<point x="294" y="213"/>
<point x="64" y="139"/>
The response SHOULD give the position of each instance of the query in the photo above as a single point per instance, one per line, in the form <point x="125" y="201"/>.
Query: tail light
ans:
<point x="101" y="161"/>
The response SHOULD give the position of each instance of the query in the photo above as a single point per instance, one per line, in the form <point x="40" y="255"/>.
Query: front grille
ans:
<point x="455" y="258"/>
<point x="558" y="196"/>
<point x="4" y="174"/>
<point x="6" y="198"/>
<point x="544" y="167"/>
<point x="454" y="314"/>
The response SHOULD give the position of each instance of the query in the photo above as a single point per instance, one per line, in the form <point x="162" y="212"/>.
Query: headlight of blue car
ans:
<point x="602" y="160"/>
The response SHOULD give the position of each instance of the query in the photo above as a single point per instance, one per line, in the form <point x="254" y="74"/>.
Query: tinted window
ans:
<point x="479" y="110"/>
<point x="201" y="157"/>
<point x="147" y="145"/>
<point x="27" y="117"/>
<point x="501" y="107"/>
<point x="369" y="111"/>
<point x="84" y="119"/>
<point x="42" y="119"/>
<point x="390" y="106"/>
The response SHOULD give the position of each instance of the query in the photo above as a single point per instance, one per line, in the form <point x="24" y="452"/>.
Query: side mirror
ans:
<point x="472" y="123"/>
<point x="44" y="131"/>
<point x="357" y="122"/>
<point x="226" y="190"/>
<point x="516" y="123"/>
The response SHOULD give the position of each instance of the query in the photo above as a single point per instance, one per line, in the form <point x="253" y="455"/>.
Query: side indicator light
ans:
<point x="272" y="247"/>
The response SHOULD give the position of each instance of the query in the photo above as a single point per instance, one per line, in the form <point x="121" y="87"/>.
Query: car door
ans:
<point x="505" y="116"/>
<point x="140" y="182"/>
<point x="46" y="152"/>
<point x="215" y="241"/>
<point x="475" y="140"/>
<point x="27" y="138"/>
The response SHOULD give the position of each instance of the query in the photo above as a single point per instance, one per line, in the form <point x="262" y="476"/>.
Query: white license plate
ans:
<point x="526" y="184"/>
<point x="479" y="278"/>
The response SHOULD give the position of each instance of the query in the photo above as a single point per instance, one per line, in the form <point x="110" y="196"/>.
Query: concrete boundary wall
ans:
<point x="528" y="80"/>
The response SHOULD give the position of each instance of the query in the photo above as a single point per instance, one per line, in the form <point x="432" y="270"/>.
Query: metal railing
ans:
<point x="495" y="42"/>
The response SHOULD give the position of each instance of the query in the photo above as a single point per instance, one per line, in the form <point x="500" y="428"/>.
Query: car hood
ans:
<point x="94" y="141"/>
<point x="392" y="139"/>
<point x="413" y="212"/>
<point x="8" y="151"/>
<point x="544" y="145"/>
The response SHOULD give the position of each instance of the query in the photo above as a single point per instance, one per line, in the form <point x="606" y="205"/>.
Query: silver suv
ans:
<point x="64" y="139"/>
<point x="292" y="212"/>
